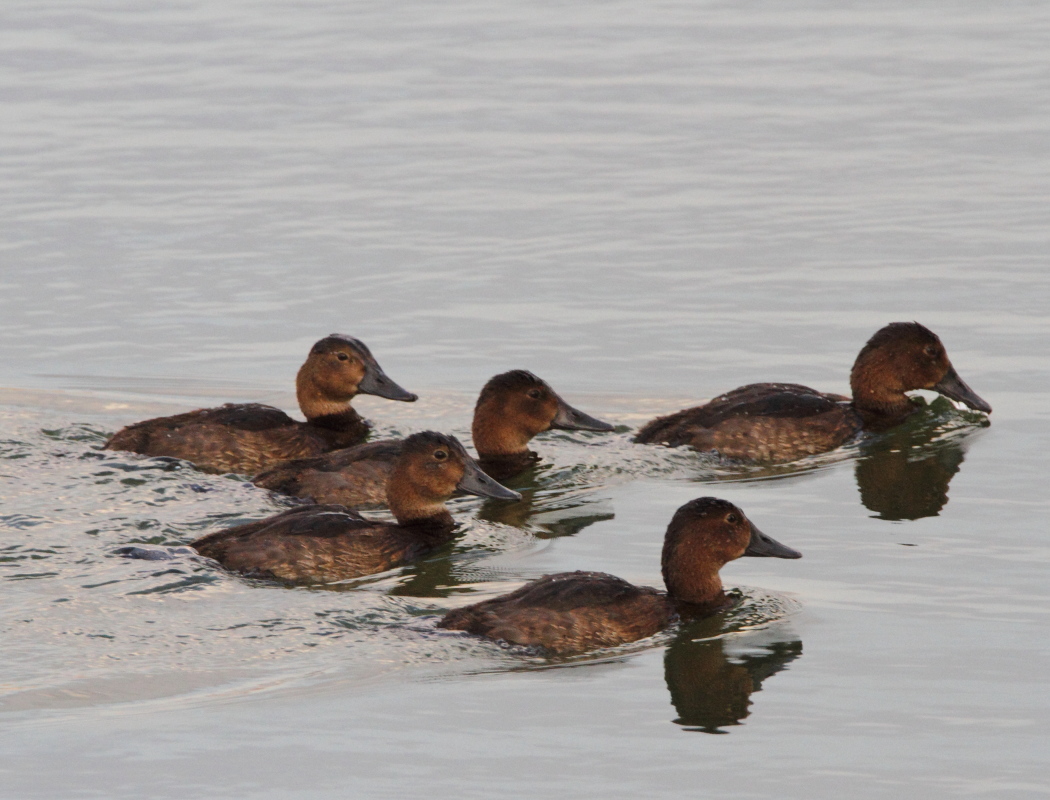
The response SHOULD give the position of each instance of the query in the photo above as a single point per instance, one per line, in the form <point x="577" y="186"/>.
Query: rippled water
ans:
<point x="647" y="205"/>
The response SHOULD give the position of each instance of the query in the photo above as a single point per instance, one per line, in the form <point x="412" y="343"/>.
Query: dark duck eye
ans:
<point x="535" y="394"/>
<point x="732" y="518"/>
<point x="440" y="455"/>
<point x="342" y="356"/>
<point x="930" y="350"/>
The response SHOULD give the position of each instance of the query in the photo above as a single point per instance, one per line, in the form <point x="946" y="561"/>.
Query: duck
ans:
<point x="512" y="408"/>
<point x="325" y="543"/>
<point x="249" y="437"/>
<point x="779" y="422"/>
<point x="573" y="612"/>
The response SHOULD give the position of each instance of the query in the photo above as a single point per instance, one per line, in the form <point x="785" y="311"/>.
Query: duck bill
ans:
<point x="764" y="546"/>
<point x="953" y="386"/>
<point x="376" y="382"/>
<point x="475" y="481"/>
<point x="572" y="419"/>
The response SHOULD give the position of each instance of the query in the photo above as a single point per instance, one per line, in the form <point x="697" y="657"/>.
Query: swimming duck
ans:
<point x="572" y="612"/>
<point x="326" y="543"/>
<point x="777" y="422"/>
<point x="512" y="408"/>
<point x="249" y="437"/>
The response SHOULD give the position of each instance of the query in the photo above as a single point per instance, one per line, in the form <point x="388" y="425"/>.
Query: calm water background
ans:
<point x="646" y="204"/>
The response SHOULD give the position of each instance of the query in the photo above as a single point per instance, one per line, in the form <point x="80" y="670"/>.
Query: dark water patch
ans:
<point x="80" y="433"/>
<point x="22" y="521"/>
<point x="188" y="583"/>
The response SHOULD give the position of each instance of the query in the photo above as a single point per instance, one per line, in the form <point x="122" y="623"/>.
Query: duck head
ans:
<point x="339" y="368"/>
<point x="903" y="357"/>
<point x="704" y="535"/>
<point x="431" y="467"/>
<point x="515" y="406"/>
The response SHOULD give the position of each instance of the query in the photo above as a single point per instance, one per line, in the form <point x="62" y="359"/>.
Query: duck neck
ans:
<point x="412" y="508"/>
<point x="322" y="410"/>
<point x="336" y="422"/>
<point x="497" y="437"/>
<point x="502" y="467"/>
<point x="691" y="579"/>
<point x="876" y="395"/>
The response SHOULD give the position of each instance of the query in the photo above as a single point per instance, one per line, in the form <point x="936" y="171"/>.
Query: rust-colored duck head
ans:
<point x="903" y="357"/>
<point x="704" y="535"/>
<point x="431" y="467"/>
<point x="339" y="368"/>
<point x="514" y="406"/>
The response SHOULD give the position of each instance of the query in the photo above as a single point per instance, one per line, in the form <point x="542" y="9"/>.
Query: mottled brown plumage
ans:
<point x="572" y="612"/>
<point x="249" y="437"/>
<point x="777" y="422"/>
<point x="327" y="543"/>
<point x="512" y="408"/>
<point x="352" y="476"/>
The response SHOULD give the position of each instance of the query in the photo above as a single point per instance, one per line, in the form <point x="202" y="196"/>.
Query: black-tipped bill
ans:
<point x="571" y="419"/>
<point x="767" y="547"/>
<point x="376" y="382"/>
<point x="475" y="481"/>
<point x="953" y="386"/>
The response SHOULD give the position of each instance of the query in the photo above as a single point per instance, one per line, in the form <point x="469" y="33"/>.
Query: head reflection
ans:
<point x="711" y="685"/>
<point x="548" y="514"/>
<point x="904" y="474"/>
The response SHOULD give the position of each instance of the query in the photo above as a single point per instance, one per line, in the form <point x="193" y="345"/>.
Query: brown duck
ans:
<point x="249" y="437"/>
<point x="512" y="408"/>
<point x="327" y="543"/>
<point x="573" y="612"/>
<point x="777" y="422"/>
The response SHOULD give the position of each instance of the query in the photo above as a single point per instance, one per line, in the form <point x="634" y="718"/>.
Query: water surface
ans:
<point x="646" y="206"/>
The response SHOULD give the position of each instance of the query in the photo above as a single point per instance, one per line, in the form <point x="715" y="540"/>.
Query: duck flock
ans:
<point x="327" y="464"/>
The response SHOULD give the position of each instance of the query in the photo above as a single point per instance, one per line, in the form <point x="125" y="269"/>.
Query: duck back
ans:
<point x="352" y="476"/>
<point x="244" y="438"/>
<point x="765" y="422"/>
<point x="568" y="612"/>
<point x="320" y="544"/>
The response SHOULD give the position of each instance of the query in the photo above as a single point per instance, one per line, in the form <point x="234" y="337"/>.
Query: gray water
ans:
<point x="645" y="204"/>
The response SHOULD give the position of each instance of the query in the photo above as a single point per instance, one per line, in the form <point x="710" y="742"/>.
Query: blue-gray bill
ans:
<point x="376" y="382"/>
<point x="572" y="419"/>
<point x="475" y="481"/>
<point x="765" y="546"/>
<point x="953" y="386"/>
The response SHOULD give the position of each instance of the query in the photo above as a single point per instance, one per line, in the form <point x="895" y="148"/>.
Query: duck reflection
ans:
<point x="904" y="474"/>
<point x="710" y="687"/>
<point x="546" y="514"/>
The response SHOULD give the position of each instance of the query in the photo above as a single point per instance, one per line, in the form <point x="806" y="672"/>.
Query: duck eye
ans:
<point x="732" y="518"/>
<point x="342" y="356"/>
<point x="440" y="455"/>
<point x="930" y="350"/>
<point x="535" y="394"/>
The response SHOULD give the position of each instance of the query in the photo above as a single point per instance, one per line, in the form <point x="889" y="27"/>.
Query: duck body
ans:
<point x="512" y="408"/>
<point x="248" y="438"/>
<point x="329" y="542"/>
<point x="352" y="476"/>
<point x="572" y="612"/>
<point x="778" y="422"/>
<point x="568" y="612"/>
<point x="322" y="544"/>
<point x="243" y="437"/>
<point x="765" y="422"/>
